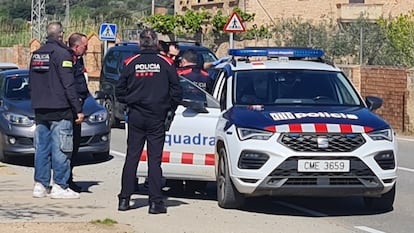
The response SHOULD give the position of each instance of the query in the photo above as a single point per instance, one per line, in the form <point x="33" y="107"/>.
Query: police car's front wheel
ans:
<point x="383" y="203"/>
<point x="227" y="195"/>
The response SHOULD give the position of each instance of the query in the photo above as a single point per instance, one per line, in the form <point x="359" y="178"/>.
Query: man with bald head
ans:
<point x="54" y="99"/>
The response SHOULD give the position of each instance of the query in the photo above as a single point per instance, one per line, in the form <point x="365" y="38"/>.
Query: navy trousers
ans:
<point x="143" y="129"/>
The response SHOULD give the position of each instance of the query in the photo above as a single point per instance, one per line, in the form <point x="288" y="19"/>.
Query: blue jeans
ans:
<point x="53" y="148"/>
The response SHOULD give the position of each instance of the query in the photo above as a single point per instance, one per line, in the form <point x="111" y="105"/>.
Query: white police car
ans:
<point x="292" y="124"/>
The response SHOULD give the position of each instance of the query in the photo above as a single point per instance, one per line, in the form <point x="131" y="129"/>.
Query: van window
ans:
<point x="114" y="63"/>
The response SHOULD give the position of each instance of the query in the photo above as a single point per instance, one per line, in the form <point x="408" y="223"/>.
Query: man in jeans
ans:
<point x="54" y="98"/>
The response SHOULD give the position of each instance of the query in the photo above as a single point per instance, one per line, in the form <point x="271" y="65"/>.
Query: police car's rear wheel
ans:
<point x="227" y="195"/>
<point x="383" y="203"/>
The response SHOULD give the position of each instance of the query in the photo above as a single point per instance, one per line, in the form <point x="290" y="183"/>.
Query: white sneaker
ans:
<point x="60" y="193"/>
<point x="39" y="190"/>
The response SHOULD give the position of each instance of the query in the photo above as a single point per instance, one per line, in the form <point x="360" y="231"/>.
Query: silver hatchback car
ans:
<point x="17" y="124"/>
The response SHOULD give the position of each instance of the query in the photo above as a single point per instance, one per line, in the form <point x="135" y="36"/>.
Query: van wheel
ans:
<point x="227" y="195"/>
<point x="110" y="108"/>
<point x="384" y="203"/>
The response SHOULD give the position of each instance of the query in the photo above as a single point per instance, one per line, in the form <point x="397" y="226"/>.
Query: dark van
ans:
<point x="111" y="70"/>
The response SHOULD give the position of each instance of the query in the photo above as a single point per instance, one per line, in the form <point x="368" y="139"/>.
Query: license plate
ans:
<point x="305" y="165"/>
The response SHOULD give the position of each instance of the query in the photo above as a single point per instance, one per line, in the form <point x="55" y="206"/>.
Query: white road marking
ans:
<point x="308" y="211"/>
<point x="406" y="139"/>
<point x="117" y="153"/>
<point x="368" y="229"/>
<point x="406" y="169"/>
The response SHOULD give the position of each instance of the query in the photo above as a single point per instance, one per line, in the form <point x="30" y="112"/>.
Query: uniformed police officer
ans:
<point x="150" y="87"/>
<point x="54" y="97"/>
<point x="192" y="71"/>
<point x="78" y="42"/>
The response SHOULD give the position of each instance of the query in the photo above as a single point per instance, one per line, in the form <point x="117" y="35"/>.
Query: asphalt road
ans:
<point x="200" y="212"/>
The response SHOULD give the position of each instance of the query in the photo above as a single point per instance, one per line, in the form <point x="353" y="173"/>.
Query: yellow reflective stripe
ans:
<point x="67" y="64"/>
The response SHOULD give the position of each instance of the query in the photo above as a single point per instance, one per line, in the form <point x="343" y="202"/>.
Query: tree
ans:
<point x="400" y="32"/>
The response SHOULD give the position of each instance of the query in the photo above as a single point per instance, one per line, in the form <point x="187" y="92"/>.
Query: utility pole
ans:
<point x="152" y="7"/>
<point x="67" y="15"/>
<point x="39" y="20"/>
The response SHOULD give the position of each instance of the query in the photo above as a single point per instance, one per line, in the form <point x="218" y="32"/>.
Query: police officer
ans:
<point x="78" y="42"/>
<point x="192" y="71"/>
<point x="150" y="87"/>
<point x="54" y="97"/>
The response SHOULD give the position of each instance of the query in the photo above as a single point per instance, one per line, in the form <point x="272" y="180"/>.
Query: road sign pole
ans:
<point x="231" y="40"/>
<point x="105" y="46"/>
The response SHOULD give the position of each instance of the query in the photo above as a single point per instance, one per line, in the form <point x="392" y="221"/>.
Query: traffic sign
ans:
<point x="234" y="24"/>
<point x="107" y="31"/>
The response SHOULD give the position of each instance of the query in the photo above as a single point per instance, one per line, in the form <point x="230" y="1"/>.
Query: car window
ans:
<point x="207" y="55"/>
<point x="114" y="62"/>
<point x="17" y="88"/>
<point x="194" y="93"/>
<point x="293" y="87"/>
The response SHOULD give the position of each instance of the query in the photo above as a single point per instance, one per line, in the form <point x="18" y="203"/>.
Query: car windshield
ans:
<point x="17" y="87"/>
<point x="297" y="87"/>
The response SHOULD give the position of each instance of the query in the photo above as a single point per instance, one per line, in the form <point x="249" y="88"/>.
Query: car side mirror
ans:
<point x="197" y="106"/>
<point x="100" y="95"/>
<point x="373" y="102"/>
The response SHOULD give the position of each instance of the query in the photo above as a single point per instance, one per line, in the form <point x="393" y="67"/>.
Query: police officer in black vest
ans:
<point x="150" y="88"/>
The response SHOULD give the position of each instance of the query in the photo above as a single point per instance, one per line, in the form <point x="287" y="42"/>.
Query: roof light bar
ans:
<point x="277" y="52"/>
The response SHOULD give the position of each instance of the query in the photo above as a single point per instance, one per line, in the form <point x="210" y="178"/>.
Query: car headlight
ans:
<point x="384" y="134"/>
<point x="245" y="133"/>
<point x="99" y="116"/>
<point x="17" y="119"/>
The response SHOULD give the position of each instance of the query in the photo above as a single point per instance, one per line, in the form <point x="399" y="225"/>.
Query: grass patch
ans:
<point x="106" y="221"/>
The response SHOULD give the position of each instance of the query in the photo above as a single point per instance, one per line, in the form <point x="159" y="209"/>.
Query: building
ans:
<point x="268" y="12"/>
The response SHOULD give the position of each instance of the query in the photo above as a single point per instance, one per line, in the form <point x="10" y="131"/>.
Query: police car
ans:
<point x="292" y="124"/>
<point x="189" y="143"/>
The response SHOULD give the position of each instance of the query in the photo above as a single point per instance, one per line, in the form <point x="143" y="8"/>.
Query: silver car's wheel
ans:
<point x="3" y="157"/>
<point x="227" y="195"/>
<point x="384" y="203"/>
<point x="103" y="156"/>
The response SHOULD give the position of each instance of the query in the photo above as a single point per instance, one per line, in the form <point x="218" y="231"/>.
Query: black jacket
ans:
<point x="149" y="84"/>
<point x="80" y="80"/>
<point x="51" y="82"/>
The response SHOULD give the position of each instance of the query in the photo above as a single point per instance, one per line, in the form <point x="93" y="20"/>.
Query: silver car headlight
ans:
<point x="384" y="134"/>
<point x="99" y="116"/>
<point x="17" y="119"/>
<point x="246" y="133"/>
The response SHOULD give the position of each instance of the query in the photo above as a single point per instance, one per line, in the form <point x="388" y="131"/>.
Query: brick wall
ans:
<point x="391" y="85"/>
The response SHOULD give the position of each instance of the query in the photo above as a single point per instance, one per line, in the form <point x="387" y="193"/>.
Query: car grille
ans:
<point x="307" y="142"/>
<point x="25" y="141"/>
<point x="359" y="174"/>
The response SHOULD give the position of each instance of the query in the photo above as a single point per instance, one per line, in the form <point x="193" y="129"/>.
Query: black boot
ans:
<point x="157" y="208"/>
<point x="123" y="204"/>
